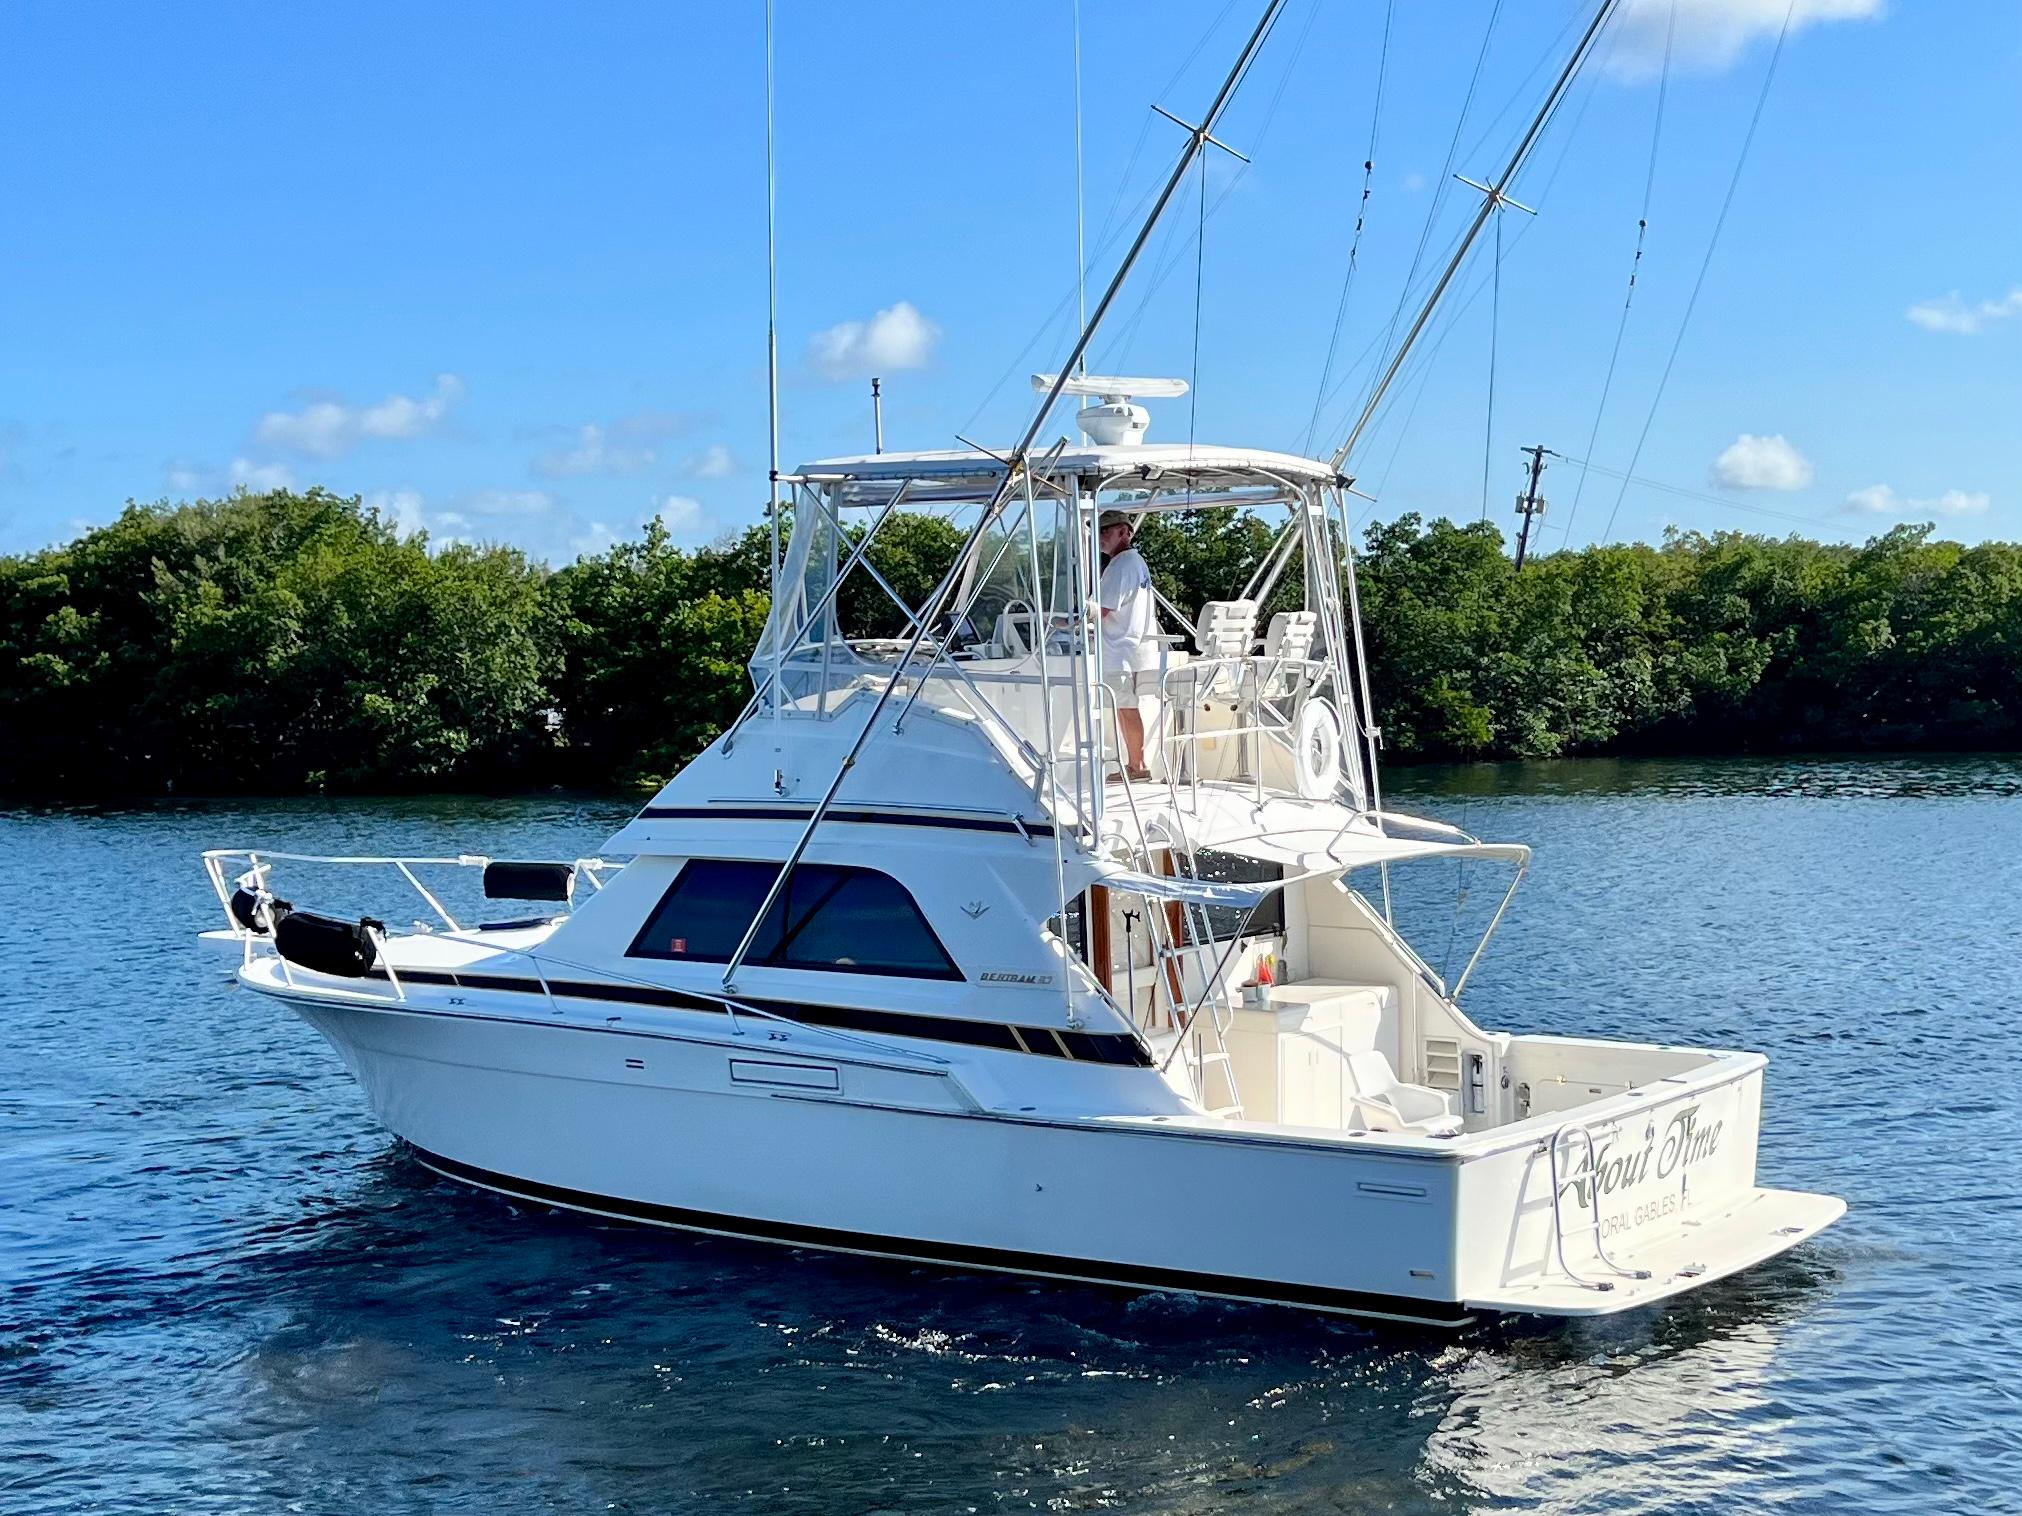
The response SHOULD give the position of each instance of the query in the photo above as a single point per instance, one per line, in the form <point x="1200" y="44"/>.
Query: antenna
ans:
<point x="772" y="345"/>
<point x="877" y="415"/>
<point x="1080" y="235"/>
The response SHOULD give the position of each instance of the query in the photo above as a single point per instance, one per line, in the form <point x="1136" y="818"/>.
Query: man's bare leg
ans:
<point x="1130" y="721"/>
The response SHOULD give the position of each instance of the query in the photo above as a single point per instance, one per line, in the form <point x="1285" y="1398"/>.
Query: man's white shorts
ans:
<point x="1131" y="684"/>
<point x="1123" y="683"/>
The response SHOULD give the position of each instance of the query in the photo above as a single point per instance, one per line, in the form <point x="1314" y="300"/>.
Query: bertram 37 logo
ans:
<point x="1684" y="1141"/>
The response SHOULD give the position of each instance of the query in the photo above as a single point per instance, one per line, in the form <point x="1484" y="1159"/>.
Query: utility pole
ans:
<point x="1530" y="504"/>
<point x="878" y="414"/>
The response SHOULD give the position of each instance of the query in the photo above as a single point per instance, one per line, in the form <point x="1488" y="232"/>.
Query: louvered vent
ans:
<point x="1442" y="1063"/>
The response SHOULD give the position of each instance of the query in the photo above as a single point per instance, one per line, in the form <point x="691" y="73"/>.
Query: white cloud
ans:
<point x="536" y="522"/>
<point x="1952" y="314"/>
<point x="683" y="516"/>
<point x="593" y="453"/>
<point x="713" y="462"/>
<point x="475" y="516"/>
<point x="1711" y="34"/>
<point x="898" y="337"/>
<point x="1761" y="463"/>
<point x="261" y="477"/>
<point x="409" y="513"/>
<point x="327" y="428"/>
<point x="1881" y="500"/>
<point x="183" y="476"/>
<point x="594" y="538"/>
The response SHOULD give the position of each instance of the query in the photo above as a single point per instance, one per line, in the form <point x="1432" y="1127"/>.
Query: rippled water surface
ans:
<point x="222" y="1289"/>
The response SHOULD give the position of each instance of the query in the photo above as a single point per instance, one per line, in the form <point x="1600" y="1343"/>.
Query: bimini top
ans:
<point x="1141" y="465"/>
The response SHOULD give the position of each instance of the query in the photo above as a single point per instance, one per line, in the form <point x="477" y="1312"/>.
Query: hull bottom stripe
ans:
<point x="1440" y="1313"/>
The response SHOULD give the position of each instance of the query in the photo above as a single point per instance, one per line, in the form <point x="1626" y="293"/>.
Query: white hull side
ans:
<point x="813" y="1144"/>
<point x="554" y="1113"/>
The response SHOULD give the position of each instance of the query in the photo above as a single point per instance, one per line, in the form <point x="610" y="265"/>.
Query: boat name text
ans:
<point x="1686" y="1140"/>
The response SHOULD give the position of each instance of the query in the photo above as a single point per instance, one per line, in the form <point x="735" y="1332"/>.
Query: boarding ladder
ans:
<point x="1584" y="1134"/>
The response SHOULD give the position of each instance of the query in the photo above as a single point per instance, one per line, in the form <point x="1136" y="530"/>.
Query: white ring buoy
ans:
<point x="1316" y="751"/>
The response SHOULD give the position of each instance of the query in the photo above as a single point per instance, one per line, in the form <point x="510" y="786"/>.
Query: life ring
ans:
<point x="1316" y="751"/>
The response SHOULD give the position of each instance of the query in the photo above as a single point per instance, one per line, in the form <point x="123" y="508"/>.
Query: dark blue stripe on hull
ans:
<point x="1118" y="1048"/>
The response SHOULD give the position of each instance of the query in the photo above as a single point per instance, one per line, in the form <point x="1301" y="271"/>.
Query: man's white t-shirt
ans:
<point x="1131" y="625"/>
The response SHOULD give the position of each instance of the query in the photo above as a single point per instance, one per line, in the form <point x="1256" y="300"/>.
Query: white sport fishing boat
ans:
<point x="903" y="965"/>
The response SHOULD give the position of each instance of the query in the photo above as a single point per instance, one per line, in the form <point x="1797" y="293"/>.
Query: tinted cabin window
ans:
<point x="844" y="920"/>
<point x="1224" y="921"/>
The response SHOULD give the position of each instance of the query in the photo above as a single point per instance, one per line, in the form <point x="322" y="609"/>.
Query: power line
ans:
<point x="1823" y="522"/>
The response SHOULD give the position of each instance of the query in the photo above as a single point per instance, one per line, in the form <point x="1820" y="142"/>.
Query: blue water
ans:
<point x="223" y="1290"/>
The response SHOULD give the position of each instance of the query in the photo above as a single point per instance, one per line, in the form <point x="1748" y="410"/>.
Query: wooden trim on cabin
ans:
<point x="1096" y="917"/>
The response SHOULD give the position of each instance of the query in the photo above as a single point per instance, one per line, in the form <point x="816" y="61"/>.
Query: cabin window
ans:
<point x="1225" y="921"/>
<point x="842" y="920"/>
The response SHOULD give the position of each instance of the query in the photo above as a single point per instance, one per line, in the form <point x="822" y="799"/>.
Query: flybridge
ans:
<point x="948" y="474"/>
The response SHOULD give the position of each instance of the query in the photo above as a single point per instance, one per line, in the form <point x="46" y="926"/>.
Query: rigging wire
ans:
<point x="1445" y="180"/>
<point x="1452" y="320"/>
<point x="1126" y="335"/>
<point x="1144" y="131"/>
<point x="1712" y="242"/>
<point x="1493" y="194"/>
<point x="1523" y="92"/>
<point x="1111" y="230"/>
<point x="1635" y="267"/>
<point x="1355" y="241"/>
<point x="1365" y="368"/>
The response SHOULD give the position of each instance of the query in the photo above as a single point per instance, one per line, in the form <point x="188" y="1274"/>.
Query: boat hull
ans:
<point x="758" y="1137"/>
<point x="894" y="1164"/>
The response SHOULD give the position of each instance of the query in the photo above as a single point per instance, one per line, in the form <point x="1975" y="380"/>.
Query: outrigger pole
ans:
<point x="1014" y="466"/>
<point x="1494" y="196"/>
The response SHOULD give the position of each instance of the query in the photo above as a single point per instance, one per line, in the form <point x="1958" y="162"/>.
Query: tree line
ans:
<point x="289" y="641"/>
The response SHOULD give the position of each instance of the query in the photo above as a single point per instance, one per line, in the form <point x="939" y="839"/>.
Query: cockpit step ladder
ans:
<point x="1200" y="1065"/>
<point x="1208" y="1028"/>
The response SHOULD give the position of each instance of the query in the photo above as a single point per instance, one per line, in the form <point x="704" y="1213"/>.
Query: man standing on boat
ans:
<point x="1129" y="629"/>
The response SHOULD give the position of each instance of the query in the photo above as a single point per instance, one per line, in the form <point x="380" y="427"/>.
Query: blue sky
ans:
<point x="501" y="269"/>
